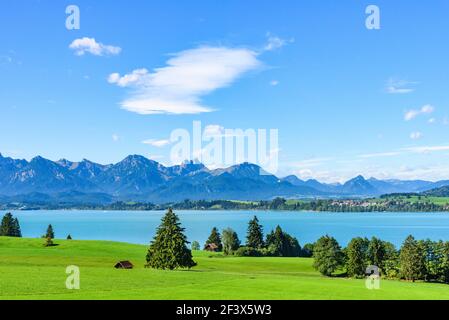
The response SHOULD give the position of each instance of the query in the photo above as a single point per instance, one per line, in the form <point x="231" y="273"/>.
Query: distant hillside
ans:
<point x="439" y="192"/>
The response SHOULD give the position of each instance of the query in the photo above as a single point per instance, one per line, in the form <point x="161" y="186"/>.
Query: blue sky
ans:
<point x="346" y="100"/>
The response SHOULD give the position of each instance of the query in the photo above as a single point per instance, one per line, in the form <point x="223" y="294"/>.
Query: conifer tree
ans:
<point x="50" y="233"/>
<point x="10" y="226"/>
<point x="168" y="250"/>
<point x="69" y="237"/>
<point x="281" y="244"/>
<point x="214" y="238"/>
<point x="412" y="260"/>
<point x="6" y="226"/>
<point x="254" y="238"/>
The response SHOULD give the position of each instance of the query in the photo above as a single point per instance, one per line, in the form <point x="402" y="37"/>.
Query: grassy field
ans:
<point x="414" y="199"/>
<point x="30" y="271"/>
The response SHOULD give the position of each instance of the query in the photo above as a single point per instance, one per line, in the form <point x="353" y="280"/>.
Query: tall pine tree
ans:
<point x="169" y="249"/>
<point x="214" y="238"/>
<point x="50" y="233"/>
<point x="254" y="238"/>
<point x="6" y="228"/>
<point x="281" y="244"/>
<point x="10" y="226"/>
<point x="17" y="232"/>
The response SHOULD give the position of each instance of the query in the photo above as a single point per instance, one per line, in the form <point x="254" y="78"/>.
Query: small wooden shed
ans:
<point x="211" y="247"/>
<point x="124" y="265"/>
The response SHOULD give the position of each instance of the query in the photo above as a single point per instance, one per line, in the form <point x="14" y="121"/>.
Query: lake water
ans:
<point x="139" y="226"/>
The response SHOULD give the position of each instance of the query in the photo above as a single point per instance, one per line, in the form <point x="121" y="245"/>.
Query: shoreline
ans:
<point x="224" y="210"/>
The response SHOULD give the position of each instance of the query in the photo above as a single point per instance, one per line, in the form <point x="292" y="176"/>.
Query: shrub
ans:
<point x="248" y="252"/>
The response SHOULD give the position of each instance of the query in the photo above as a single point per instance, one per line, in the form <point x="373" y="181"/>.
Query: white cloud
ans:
<point x="157" y="143"/>
<point x="379" y="155"/>
<point x="412" y="114"/>
<point x="189" y="75"/>
<point x="133" y="78"/>
<point x="90" y="45"/>
<point x="434" y="172"/>
<point x="427" y="149"/>
<point x="416" y="135"/>
<point x="274" y="83"/>
<point x="274" y="42"/>
<point x="431" y="120"/>
<point x="395" y="90"/>
<point x="156" y="157"/>
<point x="115" y="137"/>
<point x="310" y="163"/>
<point x="399" y="86"/>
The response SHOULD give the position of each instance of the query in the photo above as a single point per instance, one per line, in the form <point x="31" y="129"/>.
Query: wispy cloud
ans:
<point x="115" y="137"/>
<point x="412" y="114"/>
<point x="379" y="155"/>
<point x="157" y="143"/>
<point x="395" y="86"/>
<point x="309" y="163"/>
<point x="427" y="149"/>
<point x="90" y="45"/>
<point x="156" y="157"/>
<point x="189" y="75"/>
<point x="274" y="83"/>
<point x="274" y="42"/>
<point x="416" y="135"/>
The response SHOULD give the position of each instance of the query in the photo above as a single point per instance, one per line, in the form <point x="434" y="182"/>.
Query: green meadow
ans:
<point x="28" y="270"/>
<point x="441" y="201"/>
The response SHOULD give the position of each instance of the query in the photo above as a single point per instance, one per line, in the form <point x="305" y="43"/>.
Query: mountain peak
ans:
<point x="359" y="178"/>
<point x="136" y="159"/>
<point x="39" y="159"/>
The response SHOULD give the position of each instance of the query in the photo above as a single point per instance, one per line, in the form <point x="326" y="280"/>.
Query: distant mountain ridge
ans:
<point x="140" y="179"/>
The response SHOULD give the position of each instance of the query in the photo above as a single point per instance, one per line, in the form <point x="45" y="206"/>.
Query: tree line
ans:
<point x="169" y="248"/>
<point x="383" y="204"/>
<point x="277" y="243"/>
<point x="416" y="260"/>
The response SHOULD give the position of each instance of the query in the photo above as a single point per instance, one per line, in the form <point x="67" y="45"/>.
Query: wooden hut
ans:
<point x="211" y="247"/>
<point x="124" y="265"/>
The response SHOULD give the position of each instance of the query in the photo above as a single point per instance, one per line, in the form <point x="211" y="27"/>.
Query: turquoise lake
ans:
<point x="139" y="226"/>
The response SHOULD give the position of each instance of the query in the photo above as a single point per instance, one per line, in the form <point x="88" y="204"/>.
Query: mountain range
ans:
<point x="137" y="178"/>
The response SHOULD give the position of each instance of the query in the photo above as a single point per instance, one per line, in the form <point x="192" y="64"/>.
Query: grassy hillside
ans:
<point x="30" y="271"/>
<point x="437" y="200"/>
